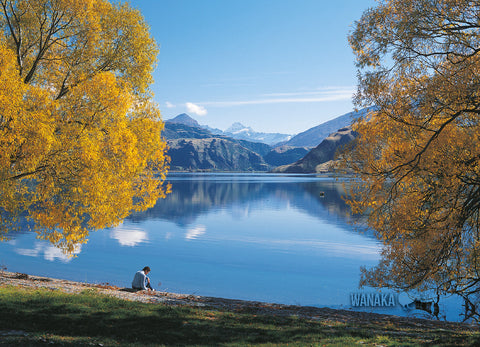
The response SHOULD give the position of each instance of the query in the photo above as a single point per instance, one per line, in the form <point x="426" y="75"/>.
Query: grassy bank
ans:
<point x="41" y="316"/>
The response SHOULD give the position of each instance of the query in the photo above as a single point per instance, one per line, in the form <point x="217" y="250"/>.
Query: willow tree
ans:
<point x="80" y="137"/>
<point x="418" y="153"/>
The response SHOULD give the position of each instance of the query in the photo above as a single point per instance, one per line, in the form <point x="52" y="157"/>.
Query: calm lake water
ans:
<point x="275" y="238"/>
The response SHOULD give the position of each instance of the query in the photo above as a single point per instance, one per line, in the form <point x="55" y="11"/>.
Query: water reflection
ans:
<point x="285" y="239"/>
<point x="130" y="237"/>
<point x="196" y="232"/>
<point x="192" y="197"/>
<point x="48" y="251"/>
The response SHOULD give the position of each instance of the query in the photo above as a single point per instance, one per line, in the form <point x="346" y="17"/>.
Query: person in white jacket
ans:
<point x="141" y="281"/>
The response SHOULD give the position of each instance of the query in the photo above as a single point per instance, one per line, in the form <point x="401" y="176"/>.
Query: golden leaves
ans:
<point x="81" y="139"/>
<point x="418" y="153"/>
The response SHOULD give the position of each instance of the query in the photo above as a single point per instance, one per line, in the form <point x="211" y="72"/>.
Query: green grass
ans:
<point x="89" y="318"/>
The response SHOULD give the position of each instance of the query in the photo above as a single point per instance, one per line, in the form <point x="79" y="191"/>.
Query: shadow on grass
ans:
<point x="96" y="316"/>
<point x="91" y="315"/>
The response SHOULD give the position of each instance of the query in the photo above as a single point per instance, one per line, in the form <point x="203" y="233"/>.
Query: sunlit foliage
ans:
<point x="418" y="153"/>
<point x="80" y="138"/>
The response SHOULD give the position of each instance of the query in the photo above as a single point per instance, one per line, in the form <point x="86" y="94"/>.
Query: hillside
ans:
<point x="317" y="159"/>
<point x="216" y="152"/>
<point x="213" y="154"/>
<point x="313" y="136"/>
<point x="219" y="152"/>
<point x="284" y="155"/>
<point x="180" y="131"/>
<point x="194" y="148"/>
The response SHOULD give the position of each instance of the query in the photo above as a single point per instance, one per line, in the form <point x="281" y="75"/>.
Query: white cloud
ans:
<point x="194" y="233"/>
<point x="320" y="95"/>
<point x="169" y="104"/>
<point x="128" y="237"/>
<point x="325" y="91"/>
<point x="196" y="109"/>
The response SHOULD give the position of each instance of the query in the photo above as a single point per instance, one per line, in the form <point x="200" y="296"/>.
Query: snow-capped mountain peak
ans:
<point x="237" y="128"/>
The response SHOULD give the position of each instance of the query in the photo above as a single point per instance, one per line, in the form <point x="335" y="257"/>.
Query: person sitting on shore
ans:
<point x="141" y="281"/>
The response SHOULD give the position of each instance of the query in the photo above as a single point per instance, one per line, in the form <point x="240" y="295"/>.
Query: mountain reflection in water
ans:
<point x="277" y="238"/>
<point x="194" y="195"/>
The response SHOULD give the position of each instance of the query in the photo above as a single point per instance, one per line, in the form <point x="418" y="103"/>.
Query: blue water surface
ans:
<point x="276" y="238"/>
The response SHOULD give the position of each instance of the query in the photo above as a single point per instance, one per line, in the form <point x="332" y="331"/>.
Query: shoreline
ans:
<point x="222" y="304"/>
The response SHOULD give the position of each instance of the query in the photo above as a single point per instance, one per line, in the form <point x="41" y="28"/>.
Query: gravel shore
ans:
<point x="254" y="307"/>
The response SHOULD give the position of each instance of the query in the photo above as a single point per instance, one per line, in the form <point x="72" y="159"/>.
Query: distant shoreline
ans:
<point x="314" y="174"/>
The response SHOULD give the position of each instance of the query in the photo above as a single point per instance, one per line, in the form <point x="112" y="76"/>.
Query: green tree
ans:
<point x="80" y="138"/>
<point x="418" y="153"/>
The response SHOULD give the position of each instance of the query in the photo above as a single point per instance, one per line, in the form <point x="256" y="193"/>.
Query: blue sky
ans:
<point x="275" y="65"/>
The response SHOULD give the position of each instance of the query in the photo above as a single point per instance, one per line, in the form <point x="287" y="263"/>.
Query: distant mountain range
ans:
<point x="195" y="147"/>
<point x="236" y="130"/>
<point x="240" y="131"/>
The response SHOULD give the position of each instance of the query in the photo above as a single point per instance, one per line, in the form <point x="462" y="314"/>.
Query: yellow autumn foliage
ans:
<point x="418" y="151"/>
<point x="80" y="138"/>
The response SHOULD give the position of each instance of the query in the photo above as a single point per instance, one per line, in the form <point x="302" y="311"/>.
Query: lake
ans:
<point x="277" y="238"/>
